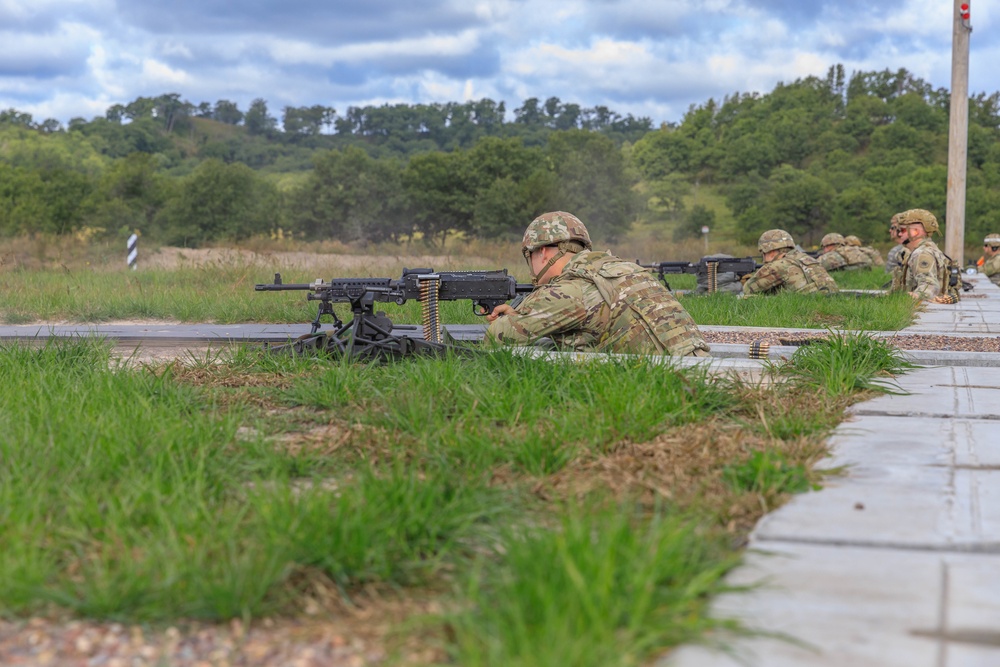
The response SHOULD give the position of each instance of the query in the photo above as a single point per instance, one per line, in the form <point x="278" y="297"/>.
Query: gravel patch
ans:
<point x="43" y="643"/>
<point x="902" y="341"/>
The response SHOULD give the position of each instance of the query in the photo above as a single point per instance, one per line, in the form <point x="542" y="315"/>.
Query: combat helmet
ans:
<point x="852" y="240"/>
<point x="775" y="239"/>
<point x="832" y="238"/>
<point x="919" y="216"/>
<point x="554" y="228"/>
<point x="992" y="240"/>
<point x="558" y="228"/>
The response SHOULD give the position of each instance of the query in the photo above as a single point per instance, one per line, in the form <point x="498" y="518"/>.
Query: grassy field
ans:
<point x="520" y="512"/>
<point x="555" y="513"/>
<point x="223" y="293"/>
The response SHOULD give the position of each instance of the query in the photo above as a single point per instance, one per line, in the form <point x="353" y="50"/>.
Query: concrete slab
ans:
<point x="897" y="562"/>
<point x="901" y="441"/>
<point x="850" y="607"/>
<point x="962" y="393"/>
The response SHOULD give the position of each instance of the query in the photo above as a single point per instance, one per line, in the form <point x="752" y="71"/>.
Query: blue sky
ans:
<point x="75" y="58"/>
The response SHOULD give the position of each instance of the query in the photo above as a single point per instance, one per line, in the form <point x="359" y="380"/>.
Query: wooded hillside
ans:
<point x="811" y="156"/>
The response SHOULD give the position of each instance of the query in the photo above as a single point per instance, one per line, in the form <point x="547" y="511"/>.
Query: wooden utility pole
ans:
<point x="958" y="133"/>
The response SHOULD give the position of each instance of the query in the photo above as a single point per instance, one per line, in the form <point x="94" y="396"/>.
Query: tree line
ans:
<point x="818" y="154"/>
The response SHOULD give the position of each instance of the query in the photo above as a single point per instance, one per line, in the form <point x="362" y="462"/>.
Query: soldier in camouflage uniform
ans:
<point x="593" y="301"/>
<point x="925" y="275"/>
<point x="838" y="256"/>
<point x="894" y="258"/>
<point x="786" y="269"/>
<point x="874" y="255"/>
<point x="991" y="258"/>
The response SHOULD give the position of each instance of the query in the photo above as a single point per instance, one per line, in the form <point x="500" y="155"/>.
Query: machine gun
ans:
<point x="709" y="267"/>
<point x="369" y="333"/>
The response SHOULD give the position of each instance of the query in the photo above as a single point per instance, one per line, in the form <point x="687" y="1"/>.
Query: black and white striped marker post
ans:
<point x="133" y="251"/>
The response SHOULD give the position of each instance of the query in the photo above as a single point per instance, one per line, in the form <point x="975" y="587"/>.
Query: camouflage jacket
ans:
<point x="602" y="303"/>
<point x="893" y="258"/>
<point x="874" y="255"/>
<point x="845" y="257"/>
<point x="925" y="272"/>
<point x="794" y="271"/>
<point x="991" y="267"/>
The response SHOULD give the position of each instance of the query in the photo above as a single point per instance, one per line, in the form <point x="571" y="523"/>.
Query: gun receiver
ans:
<point x="370" y="333"/>
<point x="707" y="266"/>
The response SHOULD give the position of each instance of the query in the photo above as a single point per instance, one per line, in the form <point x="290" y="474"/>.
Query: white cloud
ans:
<point x="156" y="73"/>
<point x="290" y="52"/>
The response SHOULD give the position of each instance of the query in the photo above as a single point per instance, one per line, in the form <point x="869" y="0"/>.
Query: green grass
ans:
<point x="224" y="293"/>
<point x="606" y="586"/>
<point x="846" y="363"/>
<point x="875" y="278"/>
<point x="809" y="311"/>
<point x="133" y="493"/>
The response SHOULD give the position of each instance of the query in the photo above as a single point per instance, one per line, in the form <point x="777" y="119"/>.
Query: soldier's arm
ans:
<point x="548" y="310"/>
<point x="925" y="272"/>
<point x="763" y="280"/>
<point x="991" y="266"/>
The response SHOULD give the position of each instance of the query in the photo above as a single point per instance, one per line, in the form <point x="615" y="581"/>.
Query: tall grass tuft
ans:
<point x="502" y="407"/>
<point x="605" y="586"/>
<point x="844" y="363"/>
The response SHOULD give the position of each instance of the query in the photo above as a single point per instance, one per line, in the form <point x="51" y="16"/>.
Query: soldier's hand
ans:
<point x="502" y="309"/>
<point x="745" y="277"/>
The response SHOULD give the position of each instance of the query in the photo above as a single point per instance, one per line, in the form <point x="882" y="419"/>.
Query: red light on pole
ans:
<point x="963" y="12"/>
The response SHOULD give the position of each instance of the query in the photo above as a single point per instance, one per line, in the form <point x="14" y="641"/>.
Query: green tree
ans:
<point x="129" y="195"/>
<point x="511" y="184"/>
<point x="663" y="152"/>
<point x="439" y="191"/>
<point x="700" y="216"/>
<point x="351" y="196"/>
<point x="795" y="201"/>
<point x="666" y="195"/>
<point x="227" y="112"/>
<point x="257" y="119"/>
<point x="593" y="182"/>
<point x="218" y="202"/>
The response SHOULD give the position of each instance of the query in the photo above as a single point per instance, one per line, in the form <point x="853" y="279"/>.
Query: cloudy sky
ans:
<point x="75" y="58"/>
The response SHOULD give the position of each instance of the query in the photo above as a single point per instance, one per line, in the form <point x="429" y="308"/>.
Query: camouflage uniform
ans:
<point x="603" y="303"/>
<point x="871" y="253"/>
<point x="926" y="270"/>
<point x="843" y="256"/>
<point x="793" y="271"/>
<point x="894" y="258"/>
<point x="991" y="265"/>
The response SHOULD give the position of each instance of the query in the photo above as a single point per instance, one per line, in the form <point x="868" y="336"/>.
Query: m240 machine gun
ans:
<point x="707" y="267"/>
<point x="369" y="333"/>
